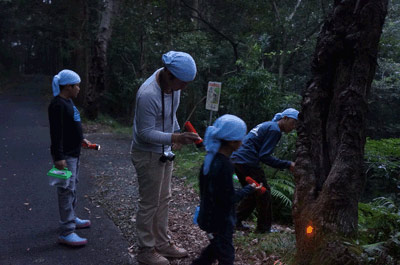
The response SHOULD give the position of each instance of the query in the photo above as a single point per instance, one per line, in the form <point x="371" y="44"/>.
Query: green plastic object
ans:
<point x="58" y="173"/>
<point x="235" y="178"/>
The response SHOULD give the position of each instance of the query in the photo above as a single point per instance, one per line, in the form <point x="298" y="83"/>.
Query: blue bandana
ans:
<point x="65" y="77"/>
<point x="227" y="127"/>
<point x="290" y="113"/>
<point x="181" y="65"/>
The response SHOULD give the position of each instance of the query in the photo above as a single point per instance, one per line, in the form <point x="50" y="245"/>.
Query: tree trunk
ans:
<point x="79" y="12"/>
<point x="329" y="172"/>
<point x="98" y="67"/>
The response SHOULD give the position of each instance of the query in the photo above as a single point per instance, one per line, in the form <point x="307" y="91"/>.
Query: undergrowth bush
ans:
<point x="382" y="167"/>
<point x="379" y="231"/>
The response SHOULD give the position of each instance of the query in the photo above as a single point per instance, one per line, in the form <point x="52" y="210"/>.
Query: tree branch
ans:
<point x="213" y="28"/>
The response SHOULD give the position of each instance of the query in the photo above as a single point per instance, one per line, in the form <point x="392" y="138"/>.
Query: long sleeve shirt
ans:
<point x="258" y="145"/>
<point x="148" y="132"/>
<point x="218" y="196"/>
<point x="65" y="128"/>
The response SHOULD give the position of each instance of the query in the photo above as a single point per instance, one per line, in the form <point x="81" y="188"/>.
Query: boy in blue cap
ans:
<point x="66" y="139"/>
<point x="257" y="147"/>
<point x="217" y="194"/>
<point x="155" y="131"/>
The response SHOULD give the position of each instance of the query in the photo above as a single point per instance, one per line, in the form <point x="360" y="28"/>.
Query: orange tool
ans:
<point x="91" y="146"/>
<point x="189" y="127"/>
<point x="251" y="181"/>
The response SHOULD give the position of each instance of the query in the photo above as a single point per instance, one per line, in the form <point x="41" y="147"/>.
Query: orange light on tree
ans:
<point x="309" y="230"/>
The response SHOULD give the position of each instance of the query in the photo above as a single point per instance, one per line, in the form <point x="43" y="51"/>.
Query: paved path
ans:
<point x="28" y="205"/>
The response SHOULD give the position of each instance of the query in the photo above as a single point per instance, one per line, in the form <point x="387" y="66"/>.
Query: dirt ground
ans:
<point x="116" y="192"/>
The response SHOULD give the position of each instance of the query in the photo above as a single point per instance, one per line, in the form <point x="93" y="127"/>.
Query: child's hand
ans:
<point x="86" y="141"/>
<point x="256" y="187"/>
<point x="292" y="165"/>
<point x="60" y="164"/>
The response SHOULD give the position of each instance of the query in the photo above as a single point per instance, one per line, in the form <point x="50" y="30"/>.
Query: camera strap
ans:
<point x="163" y="112"/>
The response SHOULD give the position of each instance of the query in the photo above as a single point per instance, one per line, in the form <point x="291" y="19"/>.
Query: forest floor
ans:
<point x="116" y="192"/>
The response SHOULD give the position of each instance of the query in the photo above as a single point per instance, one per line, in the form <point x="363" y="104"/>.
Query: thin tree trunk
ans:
<point x="331" y="134"/>
<point x="97" y="72"/>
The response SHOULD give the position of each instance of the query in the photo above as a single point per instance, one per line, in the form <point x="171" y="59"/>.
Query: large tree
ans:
<point x="98" y="66"/>
<point x="329" y="166"/>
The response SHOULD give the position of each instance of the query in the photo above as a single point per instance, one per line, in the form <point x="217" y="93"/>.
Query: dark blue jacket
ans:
<point x="65" y="128"/>
<point x="258" y="145"/>
<point x="218" y="196"/>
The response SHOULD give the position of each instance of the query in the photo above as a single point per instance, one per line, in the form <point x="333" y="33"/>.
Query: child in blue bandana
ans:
<point x="66" y="139"/>
<point x="258" y="146"/>
<point x="217" y="194"/>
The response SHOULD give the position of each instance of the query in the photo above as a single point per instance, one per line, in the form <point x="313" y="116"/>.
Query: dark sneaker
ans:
<point x="72" y="240"/>
<point x="79" y="223"/>
<point x="242" y="227"/>
<point x="266" y="231"/>
<point x="171" y="251"/>
<point x="151" y="257"/>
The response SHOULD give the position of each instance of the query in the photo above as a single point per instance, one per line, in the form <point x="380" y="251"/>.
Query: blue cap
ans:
<point x="227" y="127"/>
<point x="290" y="113"/>
<point x="181" y="65"/>
<point x="65" y="77"/>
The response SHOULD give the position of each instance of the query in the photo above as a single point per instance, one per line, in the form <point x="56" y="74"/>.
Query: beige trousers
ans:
<point x="154" y="178"/>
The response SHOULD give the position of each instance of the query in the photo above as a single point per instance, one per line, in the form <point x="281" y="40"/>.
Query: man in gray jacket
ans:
<point x="155" y="132"/>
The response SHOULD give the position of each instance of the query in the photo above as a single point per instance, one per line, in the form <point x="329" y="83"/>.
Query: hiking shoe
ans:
<point x="79" y="223"/>
<point x="266" y="231"/>
<point x="151" y="257"/>
<point x="171" y="251"/>
<point x="242" y="227"/>
<point x="72" y="240"/>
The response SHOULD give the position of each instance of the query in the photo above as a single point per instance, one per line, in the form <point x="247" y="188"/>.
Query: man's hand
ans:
<point x="60" y="164"/>
<point x="185" y="138"/>
<point x="292" y="165"/>
<point x="86" y="141"/>
<point x="176" y="146"/>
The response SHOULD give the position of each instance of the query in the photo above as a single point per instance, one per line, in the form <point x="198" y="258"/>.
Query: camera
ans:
<point x="167" y="156"/>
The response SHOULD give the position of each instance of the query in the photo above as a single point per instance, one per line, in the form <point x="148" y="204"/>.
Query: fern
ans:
<point x="378" y="220"/>
<point x="282" y="190"/>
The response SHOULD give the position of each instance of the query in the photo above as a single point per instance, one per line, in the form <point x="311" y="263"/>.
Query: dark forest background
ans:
<point x="259" y="50"/>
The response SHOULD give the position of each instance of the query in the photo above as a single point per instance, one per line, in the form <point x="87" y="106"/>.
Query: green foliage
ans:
<point x="378" y="220"/>
<point x="254" y="247"/>
<point x="379" y="231"/>
<point x="282" y="189"/>
<point x="382" y="160"/>
<point x="384" y="100"/>
<point x="187" y="164"/>
<point x="254" y="96"/>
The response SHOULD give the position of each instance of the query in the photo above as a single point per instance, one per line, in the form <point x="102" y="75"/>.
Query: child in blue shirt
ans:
<point x="258" y="146"/>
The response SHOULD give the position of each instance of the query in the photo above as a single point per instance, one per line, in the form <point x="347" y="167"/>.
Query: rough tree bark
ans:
<point x="329" y="166"/>
<point x="98" y="66"/>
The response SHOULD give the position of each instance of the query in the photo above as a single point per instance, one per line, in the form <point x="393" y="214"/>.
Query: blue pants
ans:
<point x="67" y="198"/>
<point x="220" y="248"/>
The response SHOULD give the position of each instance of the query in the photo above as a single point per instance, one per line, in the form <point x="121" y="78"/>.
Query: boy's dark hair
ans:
<point x="63" y="86"/>
<point x="224" y="142"/>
